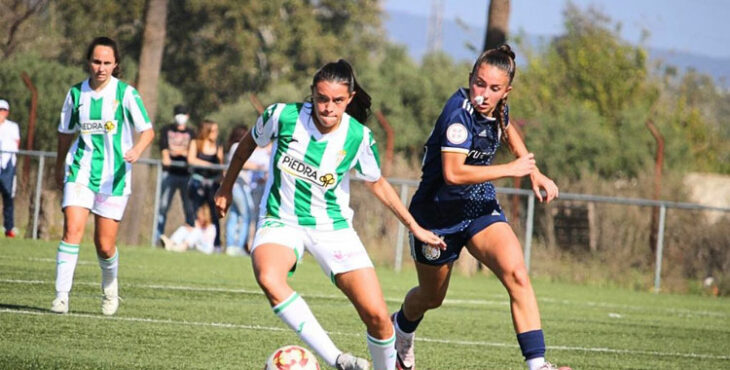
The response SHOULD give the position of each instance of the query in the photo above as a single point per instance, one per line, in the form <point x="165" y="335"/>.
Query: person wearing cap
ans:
<point x="9" y="144"/>
<point x="174" y="143"/>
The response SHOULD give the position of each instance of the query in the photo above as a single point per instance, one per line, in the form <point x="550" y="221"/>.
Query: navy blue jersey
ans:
<point x="458" y="129"/>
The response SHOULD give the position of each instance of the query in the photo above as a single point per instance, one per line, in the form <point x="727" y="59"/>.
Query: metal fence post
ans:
<point x="528" y="229"/>
<point x="155" y="213"/>
<point x="37" y="198"/>
<point x="401" y="232"/>
<point x="659" y="248"/>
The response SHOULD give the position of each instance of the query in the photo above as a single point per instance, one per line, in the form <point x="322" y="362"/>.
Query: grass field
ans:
<point x="206" y="312"/>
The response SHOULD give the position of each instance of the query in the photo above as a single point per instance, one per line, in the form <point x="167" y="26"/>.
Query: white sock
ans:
<point x="295" y="313"/>
<point x="66" y="258"/>
<point x="535" y="363"/>
<point x="109" y="268"/>
<point x="382" y="351"/>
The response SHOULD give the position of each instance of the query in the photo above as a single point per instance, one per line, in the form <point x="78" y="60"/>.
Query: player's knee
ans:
<point x="267" y="279"/>
<point x="433" y="302"/>
<point x="377" y="322"/>
<point x="518" y="278"/>
<point x="73" y="232"/>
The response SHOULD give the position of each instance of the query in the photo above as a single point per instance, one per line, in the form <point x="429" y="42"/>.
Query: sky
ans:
<point x="697" y="26"/>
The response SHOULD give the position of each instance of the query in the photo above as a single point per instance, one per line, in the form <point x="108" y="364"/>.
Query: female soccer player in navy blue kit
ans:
<point x="457" y="201"/>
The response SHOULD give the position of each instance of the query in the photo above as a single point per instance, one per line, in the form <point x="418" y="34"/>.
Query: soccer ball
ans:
<point x="292" y="358"/>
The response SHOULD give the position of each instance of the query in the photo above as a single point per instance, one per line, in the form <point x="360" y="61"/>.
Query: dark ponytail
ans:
<point x="342" y="72"/>
<point x="503" y="58"/>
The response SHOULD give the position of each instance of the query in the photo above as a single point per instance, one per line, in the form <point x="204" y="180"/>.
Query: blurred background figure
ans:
<point x="9" y="143"/>
<point x="239" y="218"/>
<point x="175" y="141"/>
<point x="200" y="236"/>
<point x="203" y="183"/>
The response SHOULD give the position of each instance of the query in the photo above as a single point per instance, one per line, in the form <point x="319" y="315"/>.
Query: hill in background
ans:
<point x="462" y="41"/>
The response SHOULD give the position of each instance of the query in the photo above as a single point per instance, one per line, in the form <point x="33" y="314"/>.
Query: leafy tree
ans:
<point x="51" y="79"/>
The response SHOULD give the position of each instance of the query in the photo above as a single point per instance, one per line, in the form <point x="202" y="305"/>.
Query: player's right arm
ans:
<point x="67" y="128"/>
<point x="456" y="142"/>
<point x="265" y="129"/>
<point x="456" y="172"/>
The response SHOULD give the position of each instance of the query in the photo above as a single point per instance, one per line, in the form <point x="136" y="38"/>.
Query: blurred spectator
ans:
<point x="258" y="163"/>
<point x="204" y="182"/>
<point x="200" y="236"/>
<point x="239" y="217"/>
<point x="9" y="142"/>
<point x="175" y="140"/>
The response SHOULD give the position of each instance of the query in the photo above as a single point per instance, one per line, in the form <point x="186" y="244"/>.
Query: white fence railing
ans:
<point x="405" y="186"/>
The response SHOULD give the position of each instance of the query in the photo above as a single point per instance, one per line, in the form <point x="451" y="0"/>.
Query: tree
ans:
<point x="150" y="62"/>
<point x="497" y="24"/>
<point x="16" y="20"/>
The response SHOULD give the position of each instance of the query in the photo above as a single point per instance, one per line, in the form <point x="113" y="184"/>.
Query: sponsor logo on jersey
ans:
<point x="456" y="133"/>
<point x="483" y="133"/>
<point x="98" y="127"/>
<point x="305" y="172"/>
<point x="477" y="154"/>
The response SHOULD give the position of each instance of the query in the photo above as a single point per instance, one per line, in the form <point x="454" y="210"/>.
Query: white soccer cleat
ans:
<point x="110" y="300"/>
<point x="346" y="361"/>
<point x="549" y="366"/>
<point x="405" y="359"/>
<point x="60" y="305"/>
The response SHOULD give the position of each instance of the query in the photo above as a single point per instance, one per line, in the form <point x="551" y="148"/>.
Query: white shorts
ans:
<point x="336" y="251"/>
<point x="104" y="205"/>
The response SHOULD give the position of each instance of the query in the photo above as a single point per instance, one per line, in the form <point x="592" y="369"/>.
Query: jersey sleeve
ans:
<point x="135" y="111"/>
<point x="267" y="125"/>
<point x="456" y="136"/>
<point x="69" y="118"/>
<point x="368" y="160"/>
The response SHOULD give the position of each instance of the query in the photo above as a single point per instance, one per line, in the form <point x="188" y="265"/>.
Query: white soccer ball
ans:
<point x="292" y="358"/>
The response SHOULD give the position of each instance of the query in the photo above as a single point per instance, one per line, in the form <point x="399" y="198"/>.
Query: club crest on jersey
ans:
<point x="305" y="172"/>
<point x="340" y="156"/>
<point x="98" y="127"/>
<point x="456" y="133"/>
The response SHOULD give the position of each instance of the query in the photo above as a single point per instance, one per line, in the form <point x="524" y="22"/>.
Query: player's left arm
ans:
<point x="132" y="103"/>
<point x="382" y="190"/>
<point x="538" y="179"/>
<point x="145" y="139"/>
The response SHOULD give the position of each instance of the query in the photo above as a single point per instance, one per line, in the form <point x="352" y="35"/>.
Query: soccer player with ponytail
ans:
<point x="306" y="206"/>
<point x="457" y="201"/>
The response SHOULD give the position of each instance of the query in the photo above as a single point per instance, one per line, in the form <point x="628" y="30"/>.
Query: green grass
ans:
<point x="195" y="311"/>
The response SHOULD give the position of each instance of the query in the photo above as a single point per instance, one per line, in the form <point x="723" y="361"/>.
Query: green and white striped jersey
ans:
<point x="104" y="121"/>
<point x="308" y="182"/>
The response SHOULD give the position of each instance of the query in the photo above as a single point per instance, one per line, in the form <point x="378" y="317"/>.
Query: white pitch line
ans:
<point x="456" y="302"/>
<point x="420" y="339"/>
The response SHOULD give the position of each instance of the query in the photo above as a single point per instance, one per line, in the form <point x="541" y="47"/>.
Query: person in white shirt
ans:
<point x="200" y="237"/>
<point x="9" y="144"/>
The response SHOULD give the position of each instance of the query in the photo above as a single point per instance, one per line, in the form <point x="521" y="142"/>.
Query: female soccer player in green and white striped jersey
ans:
<point x="306" y="206"/>
<point x="96" y="173"/>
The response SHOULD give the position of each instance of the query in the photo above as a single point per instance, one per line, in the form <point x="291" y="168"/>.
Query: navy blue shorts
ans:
<point x="455" y="237"/>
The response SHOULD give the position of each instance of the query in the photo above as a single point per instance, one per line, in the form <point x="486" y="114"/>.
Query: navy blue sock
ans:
<point x="405" y="325"/>
<point x="532" y="344"/>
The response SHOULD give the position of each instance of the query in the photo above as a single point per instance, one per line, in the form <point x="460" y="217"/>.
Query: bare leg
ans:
<point x="498" y="248"/>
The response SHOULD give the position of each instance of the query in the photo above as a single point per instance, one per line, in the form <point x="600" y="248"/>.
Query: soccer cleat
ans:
<point x="405" y="358"/>
<point x="549" y="366"/>
<point x="10" y="233"/>
<point x="60" y="305"/>
<point x="346" y="361"/>
<point x="110" y="300"/>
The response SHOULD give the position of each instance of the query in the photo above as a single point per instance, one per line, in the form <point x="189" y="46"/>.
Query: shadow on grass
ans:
<point x="17" y="307"/>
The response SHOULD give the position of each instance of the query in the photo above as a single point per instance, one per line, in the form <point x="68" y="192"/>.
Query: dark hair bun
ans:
<point x="507" y="50"/>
